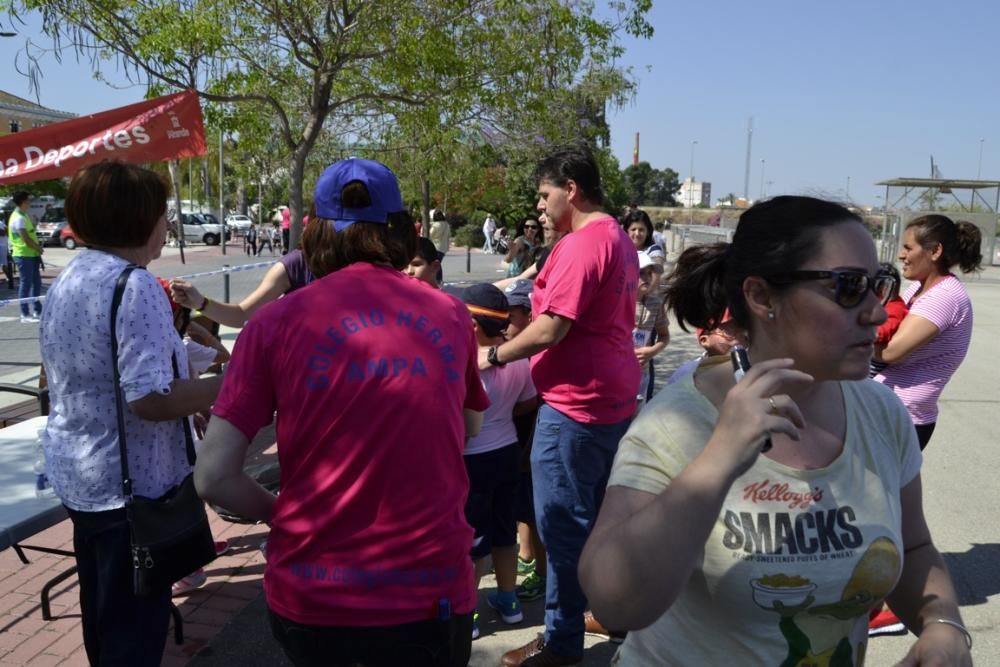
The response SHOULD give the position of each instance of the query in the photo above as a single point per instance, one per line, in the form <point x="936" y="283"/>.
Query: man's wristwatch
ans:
<point x="491" y="356"/>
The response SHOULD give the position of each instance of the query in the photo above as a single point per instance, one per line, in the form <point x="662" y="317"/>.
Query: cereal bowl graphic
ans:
<point x="789" y="590"/>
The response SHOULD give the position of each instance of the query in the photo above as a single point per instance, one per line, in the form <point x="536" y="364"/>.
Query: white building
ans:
<point x="694" y="193"/>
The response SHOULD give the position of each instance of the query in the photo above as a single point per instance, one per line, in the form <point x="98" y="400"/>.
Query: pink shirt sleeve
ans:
<point x="938" y="306"/>
<point x="247" y="399"/>
<point x="570" y="285"/>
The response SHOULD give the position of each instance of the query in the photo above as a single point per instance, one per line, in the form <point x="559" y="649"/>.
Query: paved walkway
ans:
<point x="226" y="621"/>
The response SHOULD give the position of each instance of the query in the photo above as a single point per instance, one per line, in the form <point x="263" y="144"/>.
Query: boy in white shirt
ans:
<point x="492" y="458"/>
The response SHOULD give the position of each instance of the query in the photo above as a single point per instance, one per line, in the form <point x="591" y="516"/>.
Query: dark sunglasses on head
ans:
<point x="850" y="285"/>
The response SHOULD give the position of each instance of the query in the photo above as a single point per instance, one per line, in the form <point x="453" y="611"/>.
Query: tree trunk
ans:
<point x="176" y="187"/>
<point x="241" y="196"/>
<point x="206" y="185"/>
<point x="295" y="183"/>
<point x="425" y="198"/>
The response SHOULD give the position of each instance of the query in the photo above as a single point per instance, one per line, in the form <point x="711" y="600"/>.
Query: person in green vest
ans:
<point x="27" y="252"/>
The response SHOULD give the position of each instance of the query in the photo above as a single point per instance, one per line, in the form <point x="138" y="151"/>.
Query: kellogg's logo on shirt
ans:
<point x="768" y="491"/>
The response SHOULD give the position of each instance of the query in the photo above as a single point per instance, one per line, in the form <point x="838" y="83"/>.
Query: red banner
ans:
<point x="165" y="128"/>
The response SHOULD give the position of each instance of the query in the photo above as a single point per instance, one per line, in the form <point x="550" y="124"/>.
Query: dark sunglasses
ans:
<point x="850" y="285"/>
<point x="532" y="227"/>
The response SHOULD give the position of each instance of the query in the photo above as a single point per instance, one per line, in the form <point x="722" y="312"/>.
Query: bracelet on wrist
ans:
<point x="958" y="626"/>
<point x="204" y="304"/>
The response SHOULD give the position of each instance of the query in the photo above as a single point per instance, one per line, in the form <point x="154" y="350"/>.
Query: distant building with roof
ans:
<point x="19" y="115"/>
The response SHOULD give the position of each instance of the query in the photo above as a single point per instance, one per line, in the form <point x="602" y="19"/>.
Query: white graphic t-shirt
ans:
<point x="797" y="558"/>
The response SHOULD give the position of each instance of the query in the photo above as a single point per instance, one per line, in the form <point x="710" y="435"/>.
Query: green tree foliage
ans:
<point x="281" y="73"/>
<point x="651" y="187"/>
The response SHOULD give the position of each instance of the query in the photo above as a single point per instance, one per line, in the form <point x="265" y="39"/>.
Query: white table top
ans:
<point x="22" y="513"/>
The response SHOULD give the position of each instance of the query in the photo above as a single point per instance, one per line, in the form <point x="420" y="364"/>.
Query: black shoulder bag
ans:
<point x="171" y="537"/>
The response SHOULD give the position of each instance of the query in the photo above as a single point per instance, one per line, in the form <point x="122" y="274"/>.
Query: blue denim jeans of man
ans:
<point x="30" y="270"/>
<point x="119" y="629"/>
<point x="570" y="466"/>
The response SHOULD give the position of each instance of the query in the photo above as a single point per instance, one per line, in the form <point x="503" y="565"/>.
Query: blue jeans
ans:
<point x="570" y="465"/>
<point x="30" y="270"/>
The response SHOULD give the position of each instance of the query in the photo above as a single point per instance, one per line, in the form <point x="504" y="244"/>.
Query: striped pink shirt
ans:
<point x="919" y="378"/>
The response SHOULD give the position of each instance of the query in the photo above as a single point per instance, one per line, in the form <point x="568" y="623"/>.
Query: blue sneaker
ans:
<point x="475" y="625"/>
<point x="510" y="609"/>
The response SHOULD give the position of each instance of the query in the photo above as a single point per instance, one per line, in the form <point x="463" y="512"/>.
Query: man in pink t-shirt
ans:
<point x="585" y="370"/>
<point x="368" y="551"/>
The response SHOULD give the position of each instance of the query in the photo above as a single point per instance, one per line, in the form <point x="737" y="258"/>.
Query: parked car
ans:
<point x="239" y="223"/>
<point x="68" y="239"/>
<point x="51" y="225"/>
<point x="197" y="227"/>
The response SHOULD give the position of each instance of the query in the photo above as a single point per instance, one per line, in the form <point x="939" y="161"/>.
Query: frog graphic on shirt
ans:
<point x="819" y="635"/>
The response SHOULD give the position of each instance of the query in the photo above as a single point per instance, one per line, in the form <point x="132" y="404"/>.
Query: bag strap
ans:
<point x="120" y="401"/>
<point x="188" y="438"/>
<point x="116" y="301"/>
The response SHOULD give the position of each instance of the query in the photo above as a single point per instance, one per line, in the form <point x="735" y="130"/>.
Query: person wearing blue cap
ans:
<point x="368" y="555"/>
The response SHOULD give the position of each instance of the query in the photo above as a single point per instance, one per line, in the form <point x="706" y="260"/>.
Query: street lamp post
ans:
<point x="979" y="171"/>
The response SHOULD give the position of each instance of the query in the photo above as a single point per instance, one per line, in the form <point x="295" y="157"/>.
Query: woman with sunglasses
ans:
<point x="521" y="254"/>
<point x="711" y="550"/>
<point x="933" y="338"/>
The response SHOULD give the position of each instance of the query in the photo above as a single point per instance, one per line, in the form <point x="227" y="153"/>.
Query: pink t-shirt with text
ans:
<point x="369" y="371"/>
<point x="591" y="278"/>
<point x="920" y="378"/>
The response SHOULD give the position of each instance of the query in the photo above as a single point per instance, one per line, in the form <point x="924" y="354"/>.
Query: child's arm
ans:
<point x="896" y="311"/>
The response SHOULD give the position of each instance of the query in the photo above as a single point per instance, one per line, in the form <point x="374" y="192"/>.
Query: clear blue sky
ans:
<point x="859" y="89"/>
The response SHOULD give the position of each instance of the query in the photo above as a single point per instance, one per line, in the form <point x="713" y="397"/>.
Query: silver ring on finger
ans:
<point x="774" y="406"/>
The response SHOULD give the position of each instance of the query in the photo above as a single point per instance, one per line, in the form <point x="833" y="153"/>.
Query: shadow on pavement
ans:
<point x="975" y="573"/>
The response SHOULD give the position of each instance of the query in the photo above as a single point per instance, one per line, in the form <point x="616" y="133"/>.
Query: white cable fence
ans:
<point x="203" y="274"/>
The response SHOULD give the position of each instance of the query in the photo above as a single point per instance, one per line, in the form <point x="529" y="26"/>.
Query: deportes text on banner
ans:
<point x="164" y="128"/>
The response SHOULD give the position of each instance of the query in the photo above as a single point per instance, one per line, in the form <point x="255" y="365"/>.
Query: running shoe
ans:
<point x="525" y="567"/>
<point x="885" y="623"/>
<point x="221" y="547"/>
<point x="475" y="625"/>
<point x="532" y="588"/>
<point x="187" y="584"/>
<point x="510" y="610"/>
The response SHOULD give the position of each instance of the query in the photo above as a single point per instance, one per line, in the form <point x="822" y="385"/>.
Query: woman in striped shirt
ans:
<point x="933" y="338"/>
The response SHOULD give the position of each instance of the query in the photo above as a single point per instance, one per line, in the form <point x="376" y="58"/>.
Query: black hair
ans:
<point x="890" y="268"/>
<point x="773" y="237"/>
<point x="426" y="250"/>
<point x="577" y="164"/>
<point x="638" y="215"/>
<point x="20" y="196"/>
<point x="961" y="242"/>
<point x="438" y="215"/>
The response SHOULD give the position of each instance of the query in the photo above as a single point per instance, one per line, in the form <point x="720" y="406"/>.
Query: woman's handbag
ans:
<point x="171" y="537"/>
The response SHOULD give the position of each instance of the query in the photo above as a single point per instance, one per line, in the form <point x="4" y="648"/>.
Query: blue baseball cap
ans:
<point x="383" y="188"/>
<point x="519" y="293"/>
